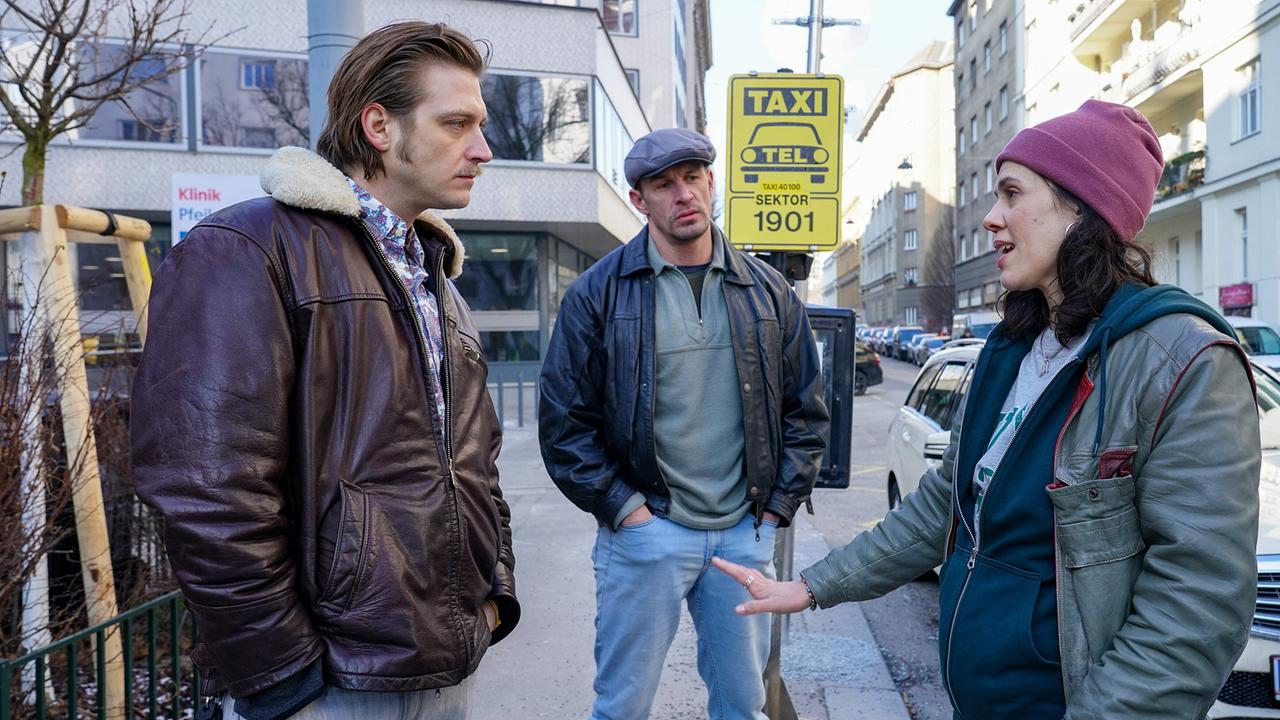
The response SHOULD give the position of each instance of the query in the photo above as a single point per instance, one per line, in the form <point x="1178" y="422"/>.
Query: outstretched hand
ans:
<point x="766" y="595"/>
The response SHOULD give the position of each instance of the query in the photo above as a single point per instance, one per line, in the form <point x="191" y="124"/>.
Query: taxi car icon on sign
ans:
<point x="785" y="147"/>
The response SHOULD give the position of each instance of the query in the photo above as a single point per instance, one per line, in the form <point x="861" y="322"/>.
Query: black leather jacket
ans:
<point x="596" y="406"/>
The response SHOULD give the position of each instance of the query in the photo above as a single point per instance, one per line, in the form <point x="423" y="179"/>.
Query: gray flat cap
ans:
<point x="661" y="149"/>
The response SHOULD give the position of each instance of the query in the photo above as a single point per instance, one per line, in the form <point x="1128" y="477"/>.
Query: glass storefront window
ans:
<point x="510" y="346"/>
<point x="250" y="101"/>
<point x="153" y="113"/>
<point x="501" y="272"/>
<point x="613" y="142"/>
<point x="540" y="119"/>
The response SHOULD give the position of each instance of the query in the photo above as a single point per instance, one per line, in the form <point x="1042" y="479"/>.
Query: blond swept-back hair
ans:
<point x="385" y="67"/>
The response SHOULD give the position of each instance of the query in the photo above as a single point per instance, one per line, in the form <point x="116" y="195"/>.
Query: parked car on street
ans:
<point x="914" y="344"/>
<point x="974" y="324"/>
<point x="867" y="371"/>
<point x="880" y="339"/>
<point x="927" y="348"/>
<point x="1259" y="339"/>
<point x="921" y="430"/>
<point x="896" y="346"/>
<point x="1250" y="690"/>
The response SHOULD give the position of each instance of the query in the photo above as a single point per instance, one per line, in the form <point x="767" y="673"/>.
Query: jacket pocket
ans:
<point x="1099" y="537"/>
<point x="1097" y="521"/>
<point x="350" y="551"/>
<point x="999" y="657"/>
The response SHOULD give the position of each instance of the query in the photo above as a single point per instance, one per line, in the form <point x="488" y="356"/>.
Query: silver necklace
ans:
<point x="1047" y="356"/>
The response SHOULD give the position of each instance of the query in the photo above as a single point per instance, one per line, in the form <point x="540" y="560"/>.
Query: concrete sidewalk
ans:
<point x="831" y="664"/>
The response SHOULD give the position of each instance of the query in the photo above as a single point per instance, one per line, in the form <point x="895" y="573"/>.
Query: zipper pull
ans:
<point x="973" y="558"/>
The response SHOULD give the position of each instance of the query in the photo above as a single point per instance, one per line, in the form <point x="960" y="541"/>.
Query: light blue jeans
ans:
<point x="450" y="703"/>
<point x="643" y="572"/>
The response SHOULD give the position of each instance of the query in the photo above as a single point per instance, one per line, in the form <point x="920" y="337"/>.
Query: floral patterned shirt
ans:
<point x="404" y="251"/>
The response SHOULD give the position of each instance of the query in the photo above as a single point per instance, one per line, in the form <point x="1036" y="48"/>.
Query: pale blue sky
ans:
<point x="895" y="31"/>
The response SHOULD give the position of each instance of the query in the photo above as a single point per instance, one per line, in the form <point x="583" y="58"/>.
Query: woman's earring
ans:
<point x="1068" y="230"/>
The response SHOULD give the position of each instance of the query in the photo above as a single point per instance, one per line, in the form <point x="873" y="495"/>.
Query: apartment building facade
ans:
<point x="987" y="37"/>
<point x="907" y="139"/>
<point x="562" y="116"/>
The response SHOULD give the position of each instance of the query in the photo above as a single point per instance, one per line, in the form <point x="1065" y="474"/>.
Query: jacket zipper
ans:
<point x="421" y="337"/>
<point x="975" y="534"/>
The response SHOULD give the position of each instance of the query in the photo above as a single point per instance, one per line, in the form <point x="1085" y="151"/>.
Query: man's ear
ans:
<point x="711" y="180"/>
<point x="375" y="124"/>
<point x="637" y="200"/>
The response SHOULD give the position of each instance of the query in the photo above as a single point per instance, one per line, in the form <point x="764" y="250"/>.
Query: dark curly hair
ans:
<point x="1093" y="261"/>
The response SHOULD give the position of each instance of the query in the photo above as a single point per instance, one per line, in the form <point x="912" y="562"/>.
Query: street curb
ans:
<point x="831" y="662"/>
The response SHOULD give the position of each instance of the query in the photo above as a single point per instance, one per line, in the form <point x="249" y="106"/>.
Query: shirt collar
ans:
<point x="380" y="218"/>
<point x="660" y="263"/>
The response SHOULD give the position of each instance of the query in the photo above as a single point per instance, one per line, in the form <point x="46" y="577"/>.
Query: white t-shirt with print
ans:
<point x="1045" y="360"/>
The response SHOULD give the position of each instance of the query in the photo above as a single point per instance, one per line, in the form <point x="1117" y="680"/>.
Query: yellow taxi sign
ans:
<point x="785" y="140"/>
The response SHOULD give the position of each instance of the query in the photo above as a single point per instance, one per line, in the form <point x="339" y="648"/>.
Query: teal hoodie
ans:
<point x="998" y="632"/>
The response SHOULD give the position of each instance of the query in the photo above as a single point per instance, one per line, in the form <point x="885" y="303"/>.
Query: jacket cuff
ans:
<point x="613" y="500"/>
<point x="824" y="581"/>
<point x="504" y="596"/>
<point x="782" y="505"/>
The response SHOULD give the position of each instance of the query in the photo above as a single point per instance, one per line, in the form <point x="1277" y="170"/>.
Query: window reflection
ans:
<point x="501" y="272"/>
<point x="151" y="113"/>
<point x="537" y="118"/>
<point x="253" y="102"/>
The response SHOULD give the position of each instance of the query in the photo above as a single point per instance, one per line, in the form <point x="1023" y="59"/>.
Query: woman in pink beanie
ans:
<point x="1096" y="512"/>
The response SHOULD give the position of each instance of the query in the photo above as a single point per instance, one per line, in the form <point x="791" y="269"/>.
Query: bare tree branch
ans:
<point x="73" y="57"/>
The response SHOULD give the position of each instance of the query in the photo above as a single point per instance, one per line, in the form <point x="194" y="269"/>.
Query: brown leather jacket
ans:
<point x="281" y="429"/>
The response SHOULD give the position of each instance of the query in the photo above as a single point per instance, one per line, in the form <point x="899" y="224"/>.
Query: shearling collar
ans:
<point x="300" y="178"/>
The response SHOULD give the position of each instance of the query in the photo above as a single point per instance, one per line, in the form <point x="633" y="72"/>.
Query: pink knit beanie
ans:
<point x="1105" y="154"/>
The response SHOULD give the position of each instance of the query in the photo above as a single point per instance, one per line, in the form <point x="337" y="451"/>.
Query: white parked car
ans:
<point x="921" y="431"/>
<point x="1253" y="688"/>
<point x="1259" y="339"/>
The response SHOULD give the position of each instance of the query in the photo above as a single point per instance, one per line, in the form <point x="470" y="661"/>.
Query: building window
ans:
<point x="153" y="113"/>
<point x="909" y="201"/>
<point x="1004" y="38"/>
<point x="962" y="299"/>
<point x="633" y="77"/>
<point x="253" y="102"/>
<point x="977" y="243"/>
<point x="991" y="177"/>
<point x="964" y="249"/>
<point x="539" y="119"/>
<point x="960" y="197"/>
<point x="960" y="34"/>
<point x="973" y="185"/>
<point x="986" y="57"/>
<point x="959" y="85"/>
<point x="909" y="240"/>
<point x="680" y="59"/>
<point x="910" y="275"/>
<point x="960" y="140"/>
<point x="613" y="142"/>
<point x="502" y="271"/>
<point x="1250" y="103"/>
<point x="973" y="14"/>
<point x="619" y="16"/>
<point x="257" y="74"/>
<point x="1004" y="103"/>
<point x="973" y="130"/>
<point x="912" y="314"/>
<point x="986" y="116"/>
<point x="973" y="74"/>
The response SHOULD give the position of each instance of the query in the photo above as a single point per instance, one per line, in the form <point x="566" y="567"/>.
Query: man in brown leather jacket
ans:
<point x="310" y="417"/>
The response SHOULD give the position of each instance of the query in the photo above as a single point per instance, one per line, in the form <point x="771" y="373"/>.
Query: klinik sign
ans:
<point x="193" y="196"/>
